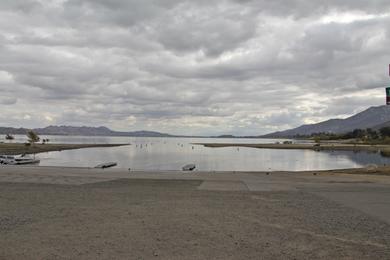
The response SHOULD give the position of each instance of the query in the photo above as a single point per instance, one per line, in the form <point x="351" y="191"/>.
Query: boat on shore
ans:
<point x="18" y="160"/>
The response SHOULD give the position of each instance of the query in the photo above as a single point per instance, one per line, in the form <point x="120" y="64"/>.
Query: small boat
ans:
<point x="5" y="159"/>
<point x="189" y="167"/>
<point x="106" y="165"/>
<point x="18" y="160"/>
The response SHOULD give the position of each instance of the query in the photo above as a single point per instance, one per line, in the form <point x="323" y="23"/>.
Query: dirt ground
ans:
<point x="173" y="219"/>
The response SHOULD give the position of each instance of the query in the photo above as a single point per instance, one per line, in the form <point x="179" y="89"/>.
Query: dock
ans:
<point x="106" y="165"/>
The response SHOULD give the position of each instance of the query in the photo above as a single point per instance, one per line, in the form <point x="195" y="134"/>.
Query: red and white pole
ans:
<point x="388" y="92"/>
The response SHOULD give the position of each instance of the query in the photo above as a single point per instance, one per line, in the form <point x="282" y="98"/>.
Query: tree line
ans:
<point x="32" y="137"/>
<point x="368" y="134"/>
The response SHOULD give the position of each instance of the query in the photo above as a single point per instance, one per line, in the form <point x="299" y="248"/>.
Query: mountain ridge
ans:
<point x="373" y="117"/>
<point x="82" y="131"/>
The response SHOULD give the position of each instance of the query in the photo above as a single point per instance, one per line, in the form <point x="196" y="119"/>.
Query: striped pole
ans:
<point x="388" y="92"/>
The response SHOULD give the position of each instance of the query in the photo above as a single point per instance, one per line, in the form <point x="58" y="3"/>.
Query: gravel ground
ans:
<point x="172" y="219"/>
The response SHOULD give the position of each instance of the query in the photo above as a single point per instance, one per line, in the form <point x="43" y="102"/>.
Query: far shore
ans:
<point x="21" y="148"/>
<point x="385" y="149"/>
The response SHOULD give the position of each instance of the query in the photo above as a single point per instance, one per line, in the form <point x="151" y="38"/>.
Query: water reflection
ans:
<point x="362" y="157"/>
<point x="173" y="153"/>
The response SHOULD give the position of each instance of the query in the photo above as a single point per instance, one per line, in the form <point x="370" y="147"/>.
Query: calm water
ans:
<point x="173" y="153"/>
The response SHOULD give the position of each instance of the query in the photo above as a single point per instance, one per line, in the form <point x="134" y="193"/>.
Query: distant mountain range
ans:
<point x="373" y="117"/>
<point x="82" y="131"/>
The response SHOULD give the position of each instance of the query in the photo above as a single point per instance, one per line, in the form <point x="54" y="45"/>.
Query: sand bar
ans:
<point x="326" y="146"/>
<point x="19" y="148"/>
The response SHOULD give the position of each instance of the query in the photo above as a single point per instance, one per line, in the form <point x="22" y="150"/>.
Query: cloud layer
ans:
<point x="191" y="67"/>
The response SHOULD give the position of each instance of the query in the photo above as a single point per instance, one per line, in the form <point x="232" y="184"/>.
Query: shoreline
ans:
<point x="369" y="171"/>
<point x="327" y="147"/>
<point x="21" y="148"/>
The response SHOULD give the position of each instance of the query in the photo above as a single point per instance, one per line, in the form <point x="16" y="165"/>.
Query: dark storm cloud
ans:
<point x="239" y="66"/>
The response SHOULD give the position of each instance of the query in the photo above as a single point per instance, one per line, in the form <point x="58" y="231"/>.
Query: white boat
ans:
<point x="189" y="167"/>
<point x="5" y="159"/>
<point x="18" y="160"/>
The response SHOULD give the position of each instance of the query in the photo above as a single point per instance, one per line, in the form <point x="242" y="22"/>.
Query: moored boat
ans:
<point x="189" y="167"/>
<point x="18" y="160"/>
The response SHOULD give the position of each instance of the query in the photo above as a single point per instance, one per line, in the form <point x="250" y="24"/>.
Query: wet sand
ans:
<point x="68" y="213"/>
<point x="20" y="148"/>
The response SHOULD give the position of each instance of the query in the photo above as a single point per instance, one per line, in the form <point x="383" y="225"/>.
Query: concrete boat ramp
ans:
<point x="53" y="212"/>
<point x="368" y="193"/>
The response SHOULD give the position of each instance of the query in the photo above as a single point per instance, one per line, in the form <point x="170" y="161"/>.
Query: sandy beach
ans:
<point x="67" y="213"/>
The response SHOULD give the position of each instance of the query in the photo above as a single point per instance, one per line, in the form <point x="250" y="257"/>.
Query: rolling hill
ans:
<point x="373" y="117"/>
<point x="82" y="131"/>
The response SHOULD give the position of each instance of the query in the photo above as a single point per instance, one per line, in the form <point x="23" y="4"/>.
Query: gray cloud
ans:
<point x="8" y="100"/>
<point x="197" y="67"/>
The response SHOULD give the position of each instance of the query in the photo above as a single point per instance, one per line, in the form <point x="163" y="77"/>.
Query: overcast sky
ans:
<point x="191" y="67"/>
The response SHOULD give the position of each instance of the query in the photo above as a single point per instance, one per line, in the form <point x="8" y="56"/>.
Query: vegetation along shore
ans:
<point x="357" y="140"/>
<point x="32" y="146"/>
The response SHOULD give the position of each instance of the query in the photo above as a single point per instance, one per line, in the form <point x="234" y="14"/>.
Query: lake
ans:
<point x="173" y="153"/>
